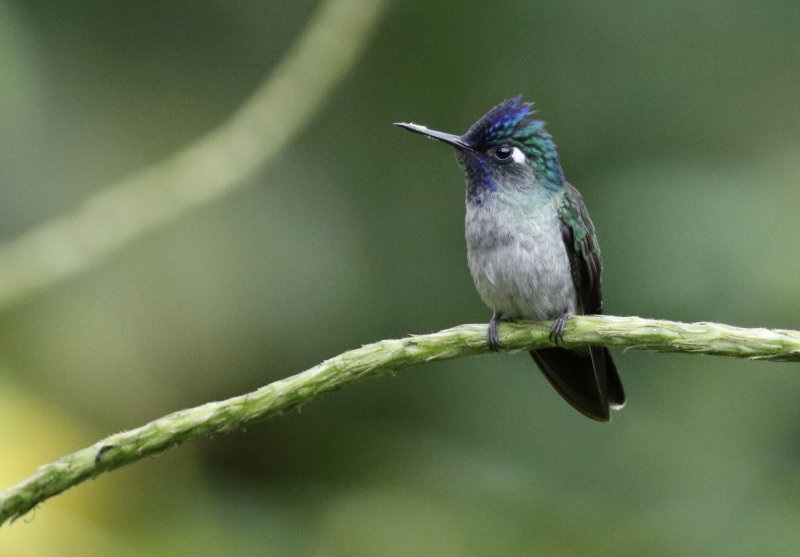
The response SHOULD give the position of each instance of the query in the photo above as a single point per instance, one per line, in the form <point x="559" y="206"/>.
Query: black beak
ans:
<point x="448" y="138"/>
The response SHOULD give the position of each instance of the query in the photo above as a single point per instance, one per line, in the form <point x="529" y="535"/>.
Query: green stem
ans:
<point x="213" y="166"/>
<point x="377" y="359"/>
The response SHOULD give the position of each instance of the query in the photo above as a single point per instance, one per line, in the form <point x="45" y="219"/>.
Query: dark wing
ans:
<point x="586" y="265"/>
<point x="580" y="240"/>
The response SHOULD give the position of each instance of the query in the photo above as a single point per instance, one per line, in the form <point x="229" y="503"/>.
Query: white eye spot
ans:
<point x="517" y="155"/>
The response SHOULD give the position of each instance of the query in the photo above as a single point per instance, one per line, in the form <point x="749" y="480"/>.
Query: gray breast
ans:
<point x="517" y="257"/>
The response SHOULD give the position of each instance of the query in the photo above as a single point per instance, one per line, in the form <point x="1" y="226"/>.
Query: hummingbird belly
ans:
<point x="520" y="270"/>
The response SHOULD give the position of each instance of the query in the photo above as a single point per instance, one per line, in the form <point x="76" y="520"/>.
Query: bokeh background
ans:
<point x="677" y="120"/>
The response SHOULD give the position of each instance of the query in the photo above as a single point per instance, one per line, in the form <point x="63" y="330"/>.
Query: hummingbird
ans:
<point x="532" y="248"/>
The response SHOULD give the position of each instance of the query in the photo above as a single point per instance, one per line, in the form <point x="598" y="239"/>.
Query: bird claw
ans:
<point x="492" y="334"/>
<point x="557" y="330"/>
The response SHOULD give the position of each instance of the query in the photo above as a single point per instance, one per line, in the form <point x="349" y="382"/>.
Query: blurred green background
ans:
<point x="679" y="123"/>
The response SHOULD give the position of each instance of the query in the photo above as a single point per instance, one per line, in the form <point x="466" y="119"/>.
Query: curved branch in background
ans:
<point x="216" y="164"/>
<point x="376" y="359"/>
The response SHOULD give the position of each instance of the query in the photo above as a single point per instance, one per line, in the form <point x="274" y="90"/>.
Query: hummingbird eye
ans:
<point x="507" y="153"/>
<point x="503" y="153"/>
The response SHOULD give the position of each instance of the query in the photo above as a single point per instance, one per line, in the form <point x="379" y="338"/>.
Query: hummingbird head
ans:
<point x="503" y="150"/>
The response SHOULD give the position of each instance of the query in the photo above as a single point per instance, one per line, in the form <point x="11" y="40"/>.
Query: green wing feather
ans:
<point x="580" y="240"/>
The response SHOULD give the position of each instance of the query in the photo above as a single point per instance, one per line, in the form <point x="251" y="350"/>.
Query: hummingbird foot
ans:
<point x="492" y="335"/>
<point x="557" y="330"/>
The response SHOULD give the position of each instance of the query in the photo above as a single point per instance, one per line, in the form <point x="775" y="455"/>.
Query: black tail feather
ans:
<point x="587" y="380"/>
